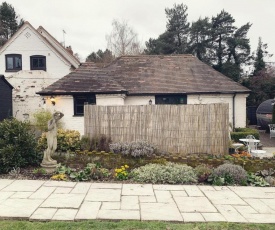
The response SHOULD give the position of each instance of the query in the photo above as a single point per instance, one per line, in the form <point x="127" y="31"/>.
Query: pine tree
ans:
<point x="259" y="63"/>
<point x="9" y="22"/>
<point x="200" y="44"/>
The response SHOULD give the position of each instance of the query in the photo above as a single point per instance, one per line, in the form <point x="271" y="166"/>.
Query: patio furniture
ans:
<point x="272" y="130"/>
<point x="236" y="146"/>
<point x="252" y="144"/>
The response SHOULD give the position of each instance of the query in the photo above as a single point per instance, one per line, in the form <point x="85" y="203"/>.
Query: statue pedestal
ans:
<point x="49" y="167"/>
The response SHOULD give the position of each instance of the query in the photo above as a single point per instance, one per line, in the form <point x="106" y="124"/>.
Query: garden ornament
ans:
<point x="48" y="162"/>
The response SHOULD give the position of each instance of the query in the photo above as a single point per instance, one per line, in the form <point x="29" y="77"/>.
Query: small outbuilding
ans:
<point x="5" y="98"/>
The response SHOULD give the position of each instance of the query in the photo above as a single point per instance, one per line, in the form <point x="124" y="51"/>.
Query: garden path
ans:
<point x="36" y="200"/>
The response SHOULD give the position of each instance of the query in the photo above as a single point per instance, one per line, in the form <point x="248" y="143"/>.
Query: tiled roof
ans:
<point x="147" y="74"/>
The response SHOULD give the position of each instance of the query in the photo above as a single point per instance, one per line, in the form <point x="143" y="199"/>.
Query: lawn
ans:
<point x="130" y="225"/>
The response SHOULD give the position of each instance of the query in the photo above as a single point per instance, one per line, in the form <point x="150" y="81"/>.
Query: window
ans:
<point x="38" y="62"/>
<point x="79" y="102"/>
<point x="13" y="62"/>
<point x="171" y="99"/>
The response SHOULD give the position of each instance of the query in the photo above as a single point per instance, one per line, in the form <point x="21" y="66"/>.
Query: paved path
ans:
<point x="52" y="200"/>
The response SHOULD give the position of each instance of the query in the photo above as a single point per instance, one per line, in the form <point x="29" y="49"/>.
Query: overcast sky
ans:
<point x="86" y="22"/>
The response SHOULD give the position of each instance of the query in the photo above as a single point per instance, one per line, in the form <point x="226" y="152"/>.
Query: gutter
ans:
<point x="233" y="112"/>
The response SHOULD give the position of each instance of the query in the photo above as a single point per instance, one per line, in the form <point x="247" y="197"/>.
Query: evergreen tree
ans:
<point x="222" y="28"/>
<point x="175" y="38"/>
<point x="200" y="44"/>
<point x="259" y="63"/>
<point x="101" y="57"/>
<point x="9" y="22"/>
<point x="178" y="27"/>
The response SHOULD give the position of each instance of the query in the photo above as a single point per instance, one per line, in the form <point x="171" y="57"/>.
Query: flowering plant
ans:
<point x="122" y="173"/>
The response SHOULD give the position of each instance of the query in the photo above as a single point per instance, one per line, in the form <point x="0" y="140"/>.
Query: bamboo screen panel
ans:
<point x="181" y="129"/>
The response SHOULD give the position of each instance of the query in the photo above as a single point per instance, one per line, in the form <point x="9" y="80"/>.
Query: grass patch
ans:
<point x="129" y="225"/>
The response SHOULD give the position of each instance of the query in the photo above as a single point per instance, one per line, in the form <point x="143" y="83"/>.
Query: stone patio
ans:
<point x="51" y="200"/>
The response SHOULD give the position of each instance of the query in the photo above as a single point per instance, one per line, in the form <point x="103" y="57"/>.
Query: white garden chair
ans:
<point x="252" y="145"/>
<point x="272" y="130"/>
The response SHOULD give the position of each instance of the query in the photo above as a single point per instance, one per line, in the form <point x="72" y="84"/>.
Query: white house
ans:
<point x="146" y="79"/>
<point x="32" y="60"/>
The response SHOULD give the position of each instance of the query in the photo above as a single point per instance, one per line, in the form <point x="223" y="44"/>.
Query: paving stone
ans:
<point x="147" y="199"/>
<point x="160" y="211"/>
<point x="24" y="186"/>
<point x="178" y="193"/>
<point x="43" y="214"/>
<point x="110" y="205"/>
<point x="88" y="211"/>
<point x="81" y="188"/>
<point x="59" y="184"/>
<point x="192" y="217"/>
<point x="168" y="187"/>
<point x="259" y="206"/>
<point x="42" y="192"/>
<point x="4" y="183"/>
<point x="260" y="218"/>
<point x="224" y="197"/>
<point x="106" y="185"/>
<point x="192" y="190"/>
<point x="63" y="201"/>
<point x="129" y="202"/>
<point x="22" y="208"/>
<point x="62" y="190"/>
<point x="230" y="214"/>
<point x="213" y="217"/>
<point x="206" y="188"/>
<point x="244" y="209"/>
<point x="194" y="204"/>
<point x="269" y="202"/>
<point x="5" y="195"/>
<point x="118" y="215"/>
<point x="65" y="214"/>
<point x="250" y="192"/>
<point x="137" y="190"/>
<point x="164" y="196"/>
<point x="221" y="188"/>
<point x="103" y="195"/>
<point x="21" y="195"/>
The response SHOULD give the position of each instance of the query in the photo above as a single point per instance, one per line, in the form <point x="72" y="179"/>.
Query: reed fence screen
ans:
<point x="184" y="129"/>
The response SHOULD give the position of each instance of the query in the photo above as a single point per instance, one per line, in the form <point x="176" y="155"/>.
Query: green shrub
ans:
<point x="135" y="148"/>
<point x="41" y="119"/>
<point x="255" y="180"/>
<point x="91" y="171"/>
<point x="203" y="171"/>
<point x="228" y="174"/>
<point x="170" y="173"/>
<point x="67" y="140"/>
<point x="18" y="146"/>
<point x="241" y="133"/>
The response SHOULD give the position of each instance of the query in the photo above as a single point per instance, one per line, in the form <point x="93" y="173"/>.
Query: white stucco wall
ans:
<point x="110" y="99"/>
<point x="26" y="82"/>
<point x="240" y="105"/>
<point x="65" y="105"/>
<point x="139" y="100"/>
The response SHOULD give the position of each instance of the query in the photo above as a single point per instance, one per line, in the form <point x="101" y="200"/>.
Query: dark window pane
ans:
<point x="18" y="63"/>
<point x="35" y="63"/>
<point x="80" y="101"/>
<point x="171" y="99"/>
<point x="9" y="63"/>
<point x="13" y="62"/>
<point x="38" y="63"/>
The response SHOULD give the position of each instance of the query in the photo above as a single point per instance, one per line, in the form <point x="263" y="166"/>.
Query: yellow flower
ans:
<point x="126" y="166"/>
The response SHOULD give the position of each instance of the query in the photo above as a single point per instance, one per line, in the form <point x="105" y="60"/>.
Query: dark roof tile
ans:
<point x="146" y="74"/>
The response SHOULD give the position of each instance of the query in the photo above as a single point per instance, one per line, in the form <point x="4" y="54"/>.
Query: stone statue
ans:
<point x="48" y="162"/>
